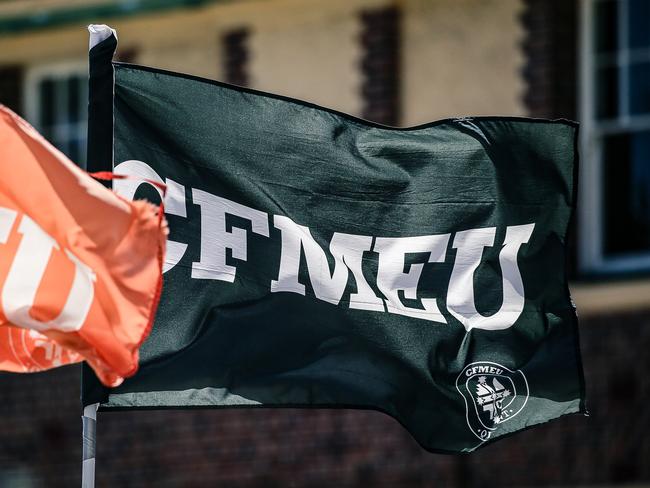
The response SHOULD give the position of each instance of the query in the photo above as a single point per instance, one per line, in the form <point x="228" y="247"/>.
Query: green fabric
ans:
<point x="221" y="344"/>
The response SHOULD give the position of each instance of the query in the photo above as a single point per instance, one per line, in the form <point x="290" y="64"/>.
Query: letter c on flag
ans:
<point x="26" y="273"/>
<point x="174" y="200"/>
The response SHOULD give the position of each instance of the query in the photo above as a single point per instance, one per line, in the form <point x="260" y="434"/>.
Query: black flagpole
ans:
<point x="102" y="45"/>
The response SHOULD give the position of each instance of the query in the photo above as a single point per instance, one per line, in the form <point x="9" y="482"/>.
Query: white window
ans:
<point x="56" y="103"/>
<point x="615" y="115"/>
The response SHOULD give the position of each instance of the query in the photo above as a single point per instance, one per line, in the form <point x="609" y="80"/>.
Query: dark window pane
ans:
<point x="607" y="92"/>
<point x="47" y="133"/>
<point x="63" y="114"/>
<point x="74" y="109"/>
<point x="606" y="28"/>
<point x="639" y="23"/>
<point x="640" y="88"/>
<point x="11" y="84"/>
<point x="74" y="152"/>
<point x="61" y="100"/>
<point x="626" y="180"/>
<point x="46" y="117"/>
<point x="61" y="142"/>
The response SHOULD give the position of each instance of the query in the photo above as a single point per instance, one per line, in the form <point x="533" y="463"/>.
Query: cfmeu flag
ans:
<point x="80" y="268"/>
<point x="320" y="260"/>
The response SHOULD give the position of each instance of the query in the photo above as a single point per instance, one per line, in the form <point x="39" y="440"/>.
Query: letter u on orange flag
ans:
<point x="80" y="267"/>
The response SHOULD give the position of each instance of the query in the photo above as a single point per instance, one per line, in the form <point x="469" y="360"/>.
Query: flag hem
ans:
<point x="352" y="118"/>
<point x="571" y="226"/>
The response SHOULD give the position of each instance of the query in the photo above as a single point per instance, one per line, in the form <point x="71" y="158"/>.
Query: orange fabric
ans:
<point x="80" y="267"/>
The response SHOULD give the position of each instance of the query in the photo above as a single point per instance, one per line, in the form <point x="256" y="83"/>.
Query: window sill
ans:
<point x="612" y="297"/>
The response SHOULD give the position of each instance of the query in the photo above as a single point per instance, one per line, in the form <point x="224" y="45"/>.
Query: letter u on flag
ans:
<point x="320" y="260"/>
<point x="80" y="268"/>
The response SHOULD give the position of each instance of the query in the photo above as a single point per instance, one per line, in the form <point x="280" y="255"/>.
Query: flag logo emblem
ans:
<point x="493" y="395"/>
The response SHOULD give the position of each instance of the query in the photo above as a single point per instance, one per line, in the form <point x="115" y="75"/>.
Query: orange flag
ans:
<point x="80" y="267"/>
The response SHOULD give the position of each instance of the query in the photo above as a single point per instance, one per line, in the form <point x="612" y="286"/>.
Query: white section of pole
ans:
<point x="99" y="33"/>
<point x="89" y="437"/>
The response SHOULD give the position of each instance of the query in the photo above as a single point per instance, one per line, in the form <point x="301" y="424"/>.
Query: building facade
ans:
<point x="396" y="62"/>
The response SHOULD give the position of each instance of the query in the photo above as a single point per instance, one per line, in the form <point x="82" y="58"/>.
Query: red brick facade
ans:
<point x="380" y="65"/>
<point x="235" y="57"/>
<point x="269" y="448"/>
<point x="551" y="68"/>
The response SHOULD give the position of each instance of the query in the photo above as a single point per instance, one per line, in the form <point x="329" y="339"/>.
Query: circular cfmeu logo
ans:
<point x="493" y="395"/>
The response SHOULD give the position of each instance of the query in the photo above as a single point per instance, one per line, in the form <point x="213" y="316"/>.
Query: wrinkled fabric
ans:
<point x="80" y="267"/>
<point x="250" y="170"/>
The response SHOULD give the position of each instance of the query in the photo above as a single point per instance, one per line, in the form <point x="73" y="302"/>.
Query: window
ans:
<point x="56" y="104"/>
<point x="615" y="113"/>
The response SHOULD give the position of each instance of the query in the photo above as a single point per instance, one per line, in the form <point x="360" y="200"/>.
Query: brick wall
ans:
<point x="235" y="56"/>
<point x="342" y="448"/>
<point x="380" y="65"/>
<point x="550" y="46"/>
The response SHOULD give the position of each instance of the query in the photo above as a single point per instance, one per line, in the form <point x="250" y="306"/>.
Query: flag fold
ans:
<point x="319" y="260"/>
<point x="80" y="267"/>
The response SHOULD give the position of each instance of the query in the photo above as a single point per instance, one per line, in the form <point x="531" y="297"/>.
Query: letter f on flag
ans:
<point x="80" y="267"/>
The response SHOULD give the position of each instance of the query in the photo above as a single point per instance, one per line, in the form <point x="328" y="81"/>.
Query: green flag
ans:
<point x="320" y="260"/>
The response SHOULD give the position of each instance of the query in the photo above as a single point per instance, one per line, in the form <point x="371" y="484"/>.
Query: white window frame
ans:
<point x="591" y="257"/>
<point x="35" y="74"/>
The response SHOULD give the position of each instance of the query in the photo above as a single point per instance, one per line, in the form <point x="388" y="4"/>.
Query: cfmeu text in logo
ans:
<point x="493" y="395"/>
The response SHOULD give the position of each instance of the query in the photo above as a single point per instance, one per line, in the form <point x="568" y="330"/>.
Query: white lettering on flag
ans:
<point x="347" y="252"/>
